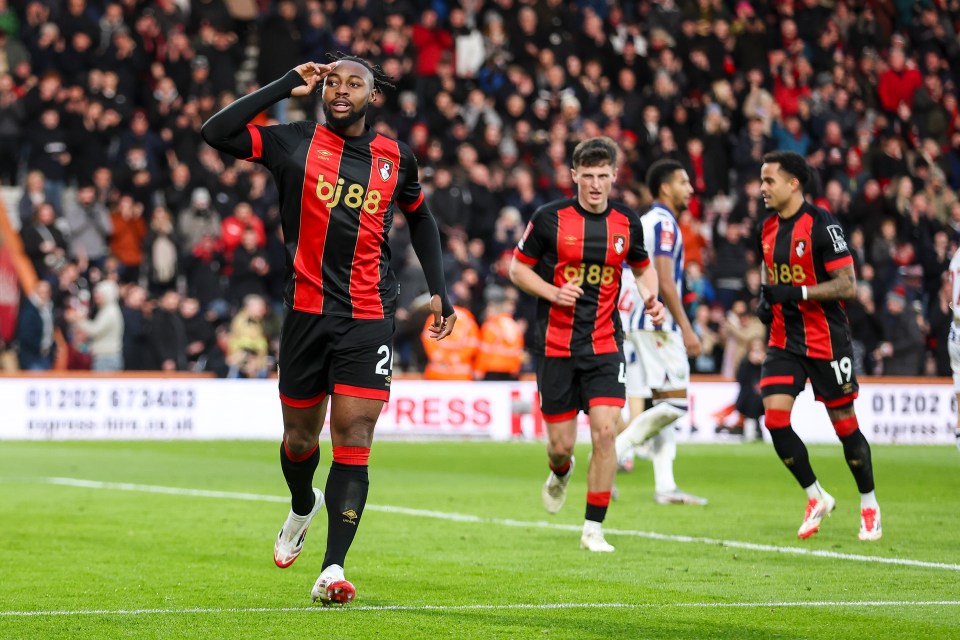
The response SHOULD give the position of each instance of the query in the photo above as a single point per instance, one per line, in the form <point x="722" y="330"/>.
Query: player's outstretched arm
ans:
<point x="528" y="281"/>
<point x="227" y="131"/>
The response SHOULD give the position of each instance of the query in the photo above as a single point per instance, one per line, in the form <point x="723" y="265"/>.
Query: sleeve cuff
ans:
<point x="407" y="208"/>
<point x="524" y="258"/>
<point x="839" y="263"/>
<point x="643" y="264"/>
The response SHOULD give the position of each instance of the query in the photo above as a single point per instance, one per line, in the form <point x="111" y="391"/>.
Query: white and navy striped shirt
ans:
<point x="661" y="237"/>
<point x="954" y="300"/>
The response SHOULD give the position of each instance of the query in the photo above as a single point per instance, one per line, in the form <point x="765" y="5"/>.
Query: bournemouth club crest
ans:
<point x="619" y="243"/>
<point x="385" y="167"/>
<point x="800" y="248"/>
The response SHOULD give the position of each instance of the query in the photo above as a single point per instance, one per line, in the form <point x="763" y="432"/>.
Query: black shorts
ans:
<point x="320" y="355"/>
<point x="569" y="385"/>
<point x="834" y="382"/>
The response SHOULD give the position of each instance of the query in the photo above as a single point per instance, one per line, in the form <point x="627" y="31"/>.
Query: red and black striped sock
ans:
<point x="298" y="470"/>
<point x="597" y="503"/>
<point x="346" y="495"/>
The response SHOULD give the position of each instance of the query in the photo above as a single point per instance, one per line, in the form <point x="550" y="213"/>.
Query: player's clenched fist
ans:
<point x="654" y="309"/>
<point x="567" y="294"/>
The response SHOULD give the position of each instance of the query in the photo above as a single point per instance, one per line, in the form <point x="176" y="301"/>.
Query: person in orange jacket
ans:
<point x="500" y="353"/>
<point x="453" y="358"/>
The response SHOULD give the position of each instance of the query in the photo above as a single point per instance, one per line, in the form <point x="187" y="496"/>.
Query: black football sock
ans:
<point x="298" y="472"/>
<point x="346" y="494"/>
<point x="856" y="450"/>
<point x="793" y="452"/>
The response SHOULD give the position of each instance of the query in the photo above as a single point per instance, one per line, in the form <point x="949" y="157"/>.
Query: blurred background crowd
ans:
<point x="156" y="252"/>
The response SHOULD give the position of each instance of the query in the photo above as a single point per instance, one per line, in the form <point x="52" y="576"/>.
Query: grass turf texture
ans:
<point x="203" y="567"/>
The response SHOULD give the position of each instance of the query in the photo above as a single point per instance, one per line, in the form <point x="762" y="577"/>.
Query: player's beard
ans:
<point x="342" y="122"/>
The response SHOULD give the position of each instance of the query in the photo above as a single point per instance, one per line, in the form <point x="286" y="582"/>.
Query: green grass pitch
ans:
<point x="136" y="542"/>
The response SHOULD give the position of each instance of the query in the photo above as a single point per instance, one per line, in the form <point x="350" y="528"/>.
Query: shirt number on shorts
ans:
<point x="843" y="366"/>
<point x="622" y="378"/>
<point x="382" y="369"/>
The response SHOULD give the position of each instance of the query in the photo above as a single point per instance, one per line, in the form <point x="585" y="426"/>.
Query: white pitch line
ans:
<point x="524" y="524"/>
<point x="488" y="607"/>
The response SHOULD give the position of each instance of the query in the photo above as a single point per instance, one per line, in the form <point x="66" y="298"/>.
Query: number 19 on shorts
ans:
<point x="843" y="369"/>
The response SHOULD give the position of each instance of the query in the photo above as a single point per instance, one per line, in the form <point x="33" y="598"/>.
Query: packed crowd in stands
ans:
<point x="156" y="252"/>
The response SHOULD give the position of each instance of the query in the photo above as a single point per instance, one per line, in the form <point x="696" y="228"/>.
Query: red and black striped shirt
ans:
<point x="337" y="199"/>
<point x="565" y="242"/>
<point x="801" y="251"/>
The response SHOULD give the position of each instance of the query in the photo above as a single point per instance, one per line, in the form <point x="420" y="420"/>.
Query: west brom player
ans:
<point x="953" y="346"/>
<point x="656" y="354"/>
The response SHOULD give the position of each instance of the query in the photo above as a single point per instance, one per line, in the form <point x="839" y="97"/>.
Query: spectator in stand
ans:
<point x="199" y="220"/>
<point x="105" y="330"/>
<point x="249" y="346"/>
<point x="250" y="268"/>
<point x="742" y="327"/>
<point x="199" y="334"/>
<point x="899" y="82"/>
<point x="168" y="335"/>
<point x="138" y="353"/>
<point x="902" y="349"/>
<point x="500" y="351"/>
<point x="90" y="226"/>
<point x="749" y="401"/>
<point x="452" y="358"/>
<point x="234" y="227"/>
<point x="129" y="232"/>
<point x="44" y="242"/>
<point x="35" y="326"/>
<point x="12" y="118"/>
<point x="161" y="259"/>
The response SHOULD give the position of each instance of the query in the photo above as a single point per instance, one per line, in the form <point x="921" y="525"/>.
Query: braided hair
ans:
<point x="381" y="80"/>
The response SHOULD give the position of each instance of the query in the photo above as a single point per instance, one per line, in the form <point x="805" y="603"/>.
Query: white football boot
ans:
<point x="332" y="588"/>
<point x="816" y="509"/>
<point x="554" y="491"/>
<point x="289" y="542"/>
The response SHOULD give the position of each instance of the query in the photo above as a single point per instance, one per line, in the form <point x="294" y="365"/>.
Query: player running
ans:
<point x="809" y="271"/>
<point x="571" y="257"/>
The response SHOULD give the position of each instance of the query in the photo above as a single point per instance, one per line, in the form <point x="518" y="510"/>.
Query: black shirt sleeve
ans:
<point x="424" y="232"/>
<point x="227" y="129"/>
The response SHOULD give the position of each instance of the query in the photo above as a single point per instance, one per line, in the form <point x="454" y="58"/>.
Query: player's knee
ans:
<point x="776" y="419"/>
<point x="603" y="437"/>
<point x="299" y="440"/>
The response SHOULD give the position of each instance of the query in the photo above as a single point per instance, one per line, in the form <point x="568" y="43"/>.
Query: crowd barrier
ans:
<point x="161" y="406"/>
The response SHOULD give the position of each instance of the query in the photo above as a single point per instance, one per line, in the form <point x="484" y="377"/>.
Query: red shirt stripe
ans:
<point x="815" y="327"/>
<point x="256" y="142"/>
<point x="570" y="232"/>
<point x="365" y="280"/>
<point x="323" y="171"/>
